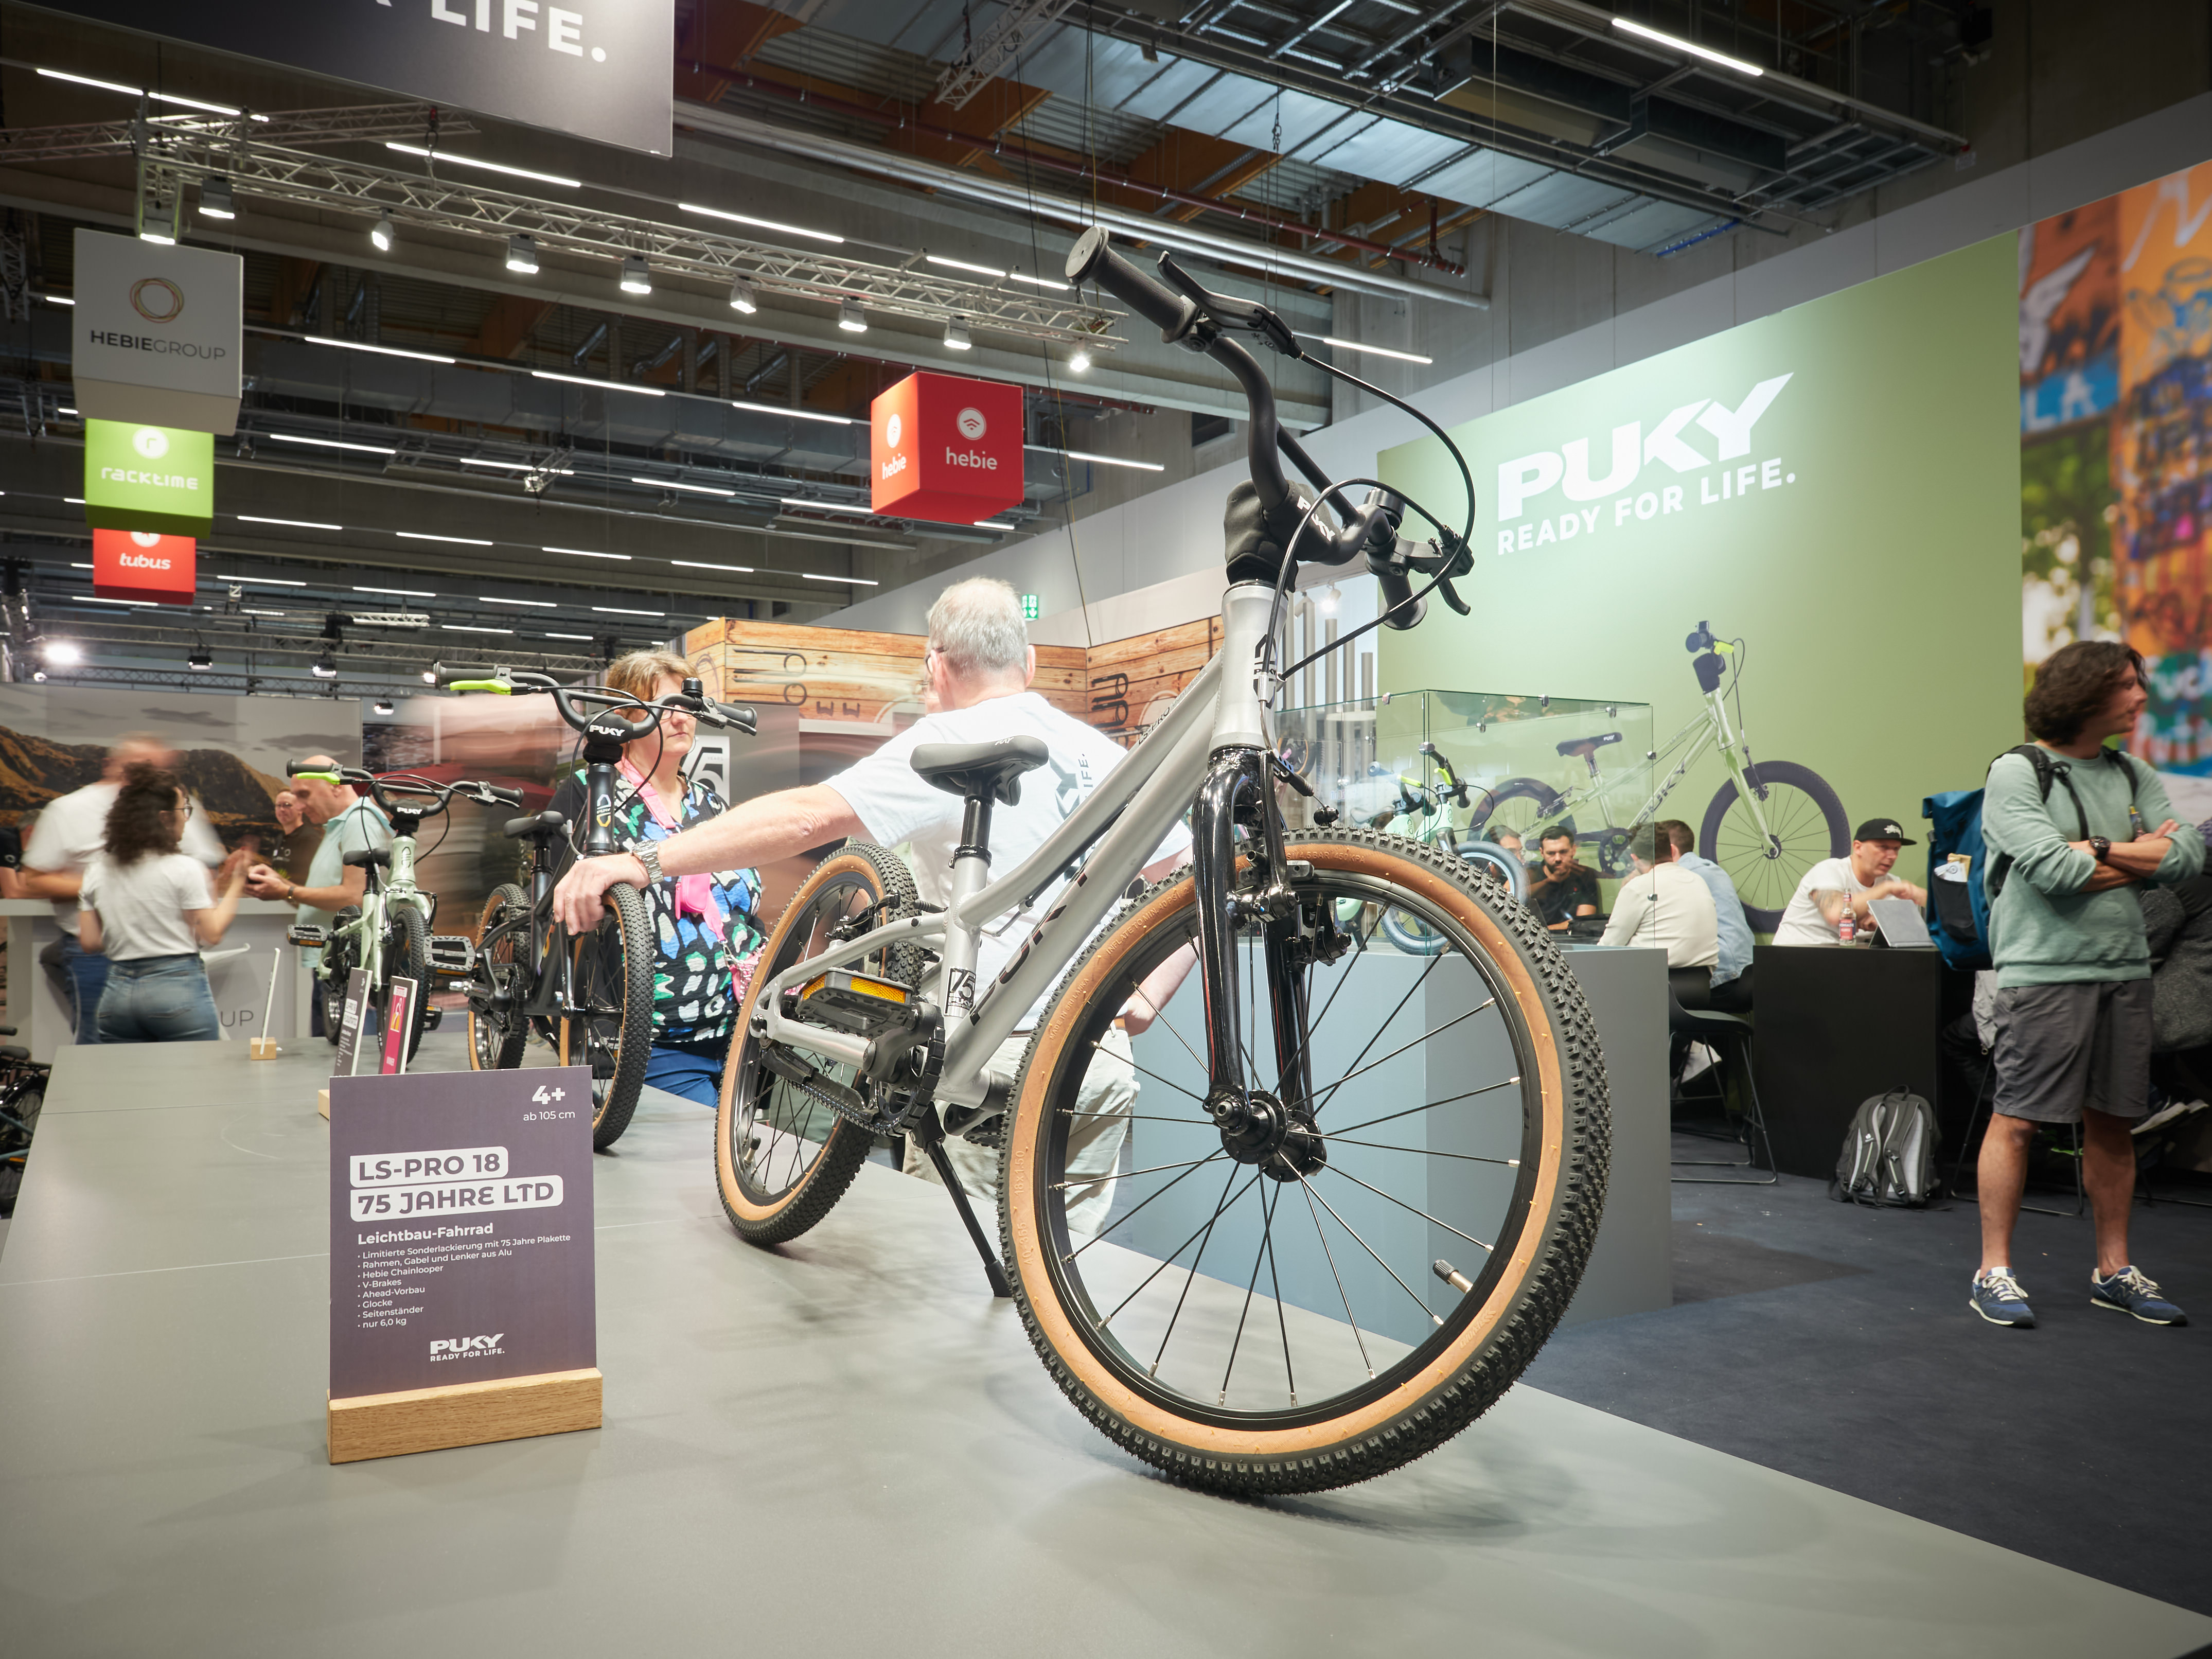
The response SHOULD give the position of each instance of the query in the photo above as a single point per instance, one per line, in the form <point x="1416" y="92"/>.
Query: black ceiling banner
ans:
<point x="599" y="68"/>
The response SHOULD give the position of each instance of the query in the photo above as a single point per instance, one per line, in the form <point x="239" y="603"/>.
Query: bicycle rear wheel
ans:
<point x="496" y="993"/>
<point x="406" y="955"/>
<point x="1396" y="1223"/>
<point x="612" y="1031"/>
<point x="782" y="1155"/>
<point x="339" y="961"/>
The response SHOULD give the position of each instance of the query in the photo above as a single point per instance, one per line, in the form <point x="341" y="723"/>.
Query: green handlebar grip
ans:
<point x="500" y="686"/>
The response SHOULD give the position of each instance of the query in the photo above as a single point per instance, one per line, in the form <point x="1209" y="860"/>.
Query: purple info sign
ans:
<point x="461" y="1246"/>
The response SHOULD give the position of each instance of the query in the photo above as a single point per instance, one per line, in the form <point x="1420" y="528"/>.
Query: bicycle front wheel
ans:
<point x="406" y="955"/>
<point x="1805" y="823"/>
<point x="496" y="993"/>
<point x="1338" y="1274"/>
<point x="611" y="1030"/>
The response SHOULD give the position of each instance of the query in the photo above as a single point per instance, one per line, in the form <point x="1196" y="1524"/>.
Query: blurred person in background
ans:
<point x="706" y="927"/>
<point x="70" y="832"/>
<point x="1731" y="986"/>
<point x="347" y="823"/>
<point x="296" y="838"/>
<point x="146" y="906"/>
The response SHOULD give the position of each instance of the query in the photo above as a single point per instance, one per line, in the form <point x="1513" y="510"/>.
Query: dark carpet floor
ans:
<point x="1834" y="1343"/>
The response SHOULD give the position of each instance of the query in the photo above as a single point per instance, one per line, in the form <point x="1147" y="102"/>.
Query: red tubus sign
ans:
<point x="138" y="564"/>
<point x="945" y="449"/>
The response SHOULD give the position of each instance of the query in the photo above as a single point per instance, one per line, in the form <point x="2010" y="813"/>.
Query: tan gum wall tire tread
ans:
<point x="777" y="1218"/>
<point x="1489" y="1350"/>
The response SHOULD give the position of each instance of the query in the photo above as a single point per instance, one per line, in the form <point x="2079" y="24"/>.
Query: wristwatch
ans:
<point x="2101" y="847"/>
<point x="648" y="856"/>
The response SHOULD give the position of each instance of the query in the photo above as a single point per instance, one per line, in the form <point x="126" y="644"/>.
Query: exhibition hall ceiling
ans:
<point x="855" y="189"/>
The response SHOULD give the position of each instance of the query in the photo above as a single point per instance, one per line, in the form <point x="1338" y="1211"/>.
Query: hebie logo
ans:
<point x="157" y="298"/>
<point x="465" y="1347"/>
<point x="892" y="429"/>
<point x="150" y="442"/>
<point x="971" y="423"/>
<point x="970" y="458"/>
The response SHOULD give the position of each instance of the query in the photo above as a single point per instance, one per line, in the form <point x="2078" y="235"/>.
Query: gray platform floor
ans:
<point x="846" y="1444"/>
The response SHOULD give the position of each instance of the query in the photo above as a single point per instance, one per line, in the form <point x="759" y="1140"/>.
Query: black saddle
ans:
<point x="15" y="1051"/>
<point x="539" y="826"/>
<point x="973" y="770"/>
<point x="1583" y="748"/>
<point x="379" y="856"/>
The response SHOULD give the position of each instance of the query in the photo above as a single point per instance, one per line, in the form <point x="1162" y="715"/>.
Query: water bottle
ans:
<point x="1846" y="925"/>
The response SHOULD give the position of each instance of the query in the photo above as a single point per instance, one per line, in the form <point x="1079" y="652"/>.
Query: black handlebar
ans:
<point x="575" y="702"/>
<point x="404" y="783"/>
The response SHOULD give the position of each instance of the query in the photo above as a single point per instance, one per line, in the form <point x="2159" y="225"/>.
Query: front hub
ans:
<point x="1259" y="1128"/>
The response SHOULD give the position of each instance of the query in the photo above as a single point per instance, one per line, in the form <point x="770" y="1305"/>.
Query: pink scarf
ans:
<point x="695" y="895"/>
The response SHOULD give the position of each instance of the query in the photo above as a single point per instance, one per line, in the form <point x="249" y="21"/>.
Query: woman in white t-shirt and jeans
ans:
<point x="147" y="906"/>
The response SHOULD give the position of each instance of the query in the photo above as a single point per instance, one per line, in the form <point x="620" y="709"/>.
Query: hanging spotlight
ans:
<point x="214" y="199"/>
<point x="850" y="319"/>
<point x="956" y="337"/>
<point x="382" y="705"/>
<point x="201" y="660"/>
<point x="635" y="279"/>
<point x="381" y="234"/>
<point x="37" y="676"/>
<point x="1327" y="603"/>
<point x="64" y="654"/>
<point x="325" y="667"/>
<point x="429" y="676"/>
<point x="522" y="255"/>
<point x="1080" y="362"/>
<point x="742" y="297"/>
<point x="160" y="224"/>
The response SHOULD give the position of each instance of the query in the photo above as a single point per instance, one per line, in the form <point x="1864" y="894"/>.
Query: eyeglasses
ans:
<point x="185" y="809"/>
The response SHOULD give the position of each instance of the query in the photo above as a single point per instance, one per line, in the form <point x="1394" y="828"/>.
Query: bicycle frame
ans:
<point x="1703" y="732"/>
<point x="378" y="897"/>
<point x="1208" y="745"/>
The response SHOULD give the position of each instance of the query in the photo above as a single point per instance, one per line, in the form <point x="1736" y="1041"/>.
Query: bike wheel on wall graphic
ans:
<point x="1416" y="937"/>
<point x="1806" y="818"/>
<point x="1519" y="806"/>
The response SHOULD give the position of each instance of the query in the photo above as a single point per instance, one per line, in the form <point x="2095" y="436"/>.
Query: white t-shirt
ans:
<point x="1670" y="907"/>
<point x="895" y="804"/>
<point x="1802" y="922"/>
<point x="71" y="830"/>
<point x="141" y="905"/>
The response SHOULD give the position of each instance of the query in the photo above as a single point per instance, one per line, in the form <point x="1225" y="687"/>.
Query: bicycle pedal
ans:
<point x="432" y="1017"/>
<point x="855" y="1002"/>
<point x="452" y="956"/>
<point x="307" y="933"/>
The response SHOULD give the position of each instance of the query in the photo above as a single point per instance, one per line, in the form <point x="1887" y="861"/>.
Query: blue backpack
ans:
<point x="1959" y="911"/>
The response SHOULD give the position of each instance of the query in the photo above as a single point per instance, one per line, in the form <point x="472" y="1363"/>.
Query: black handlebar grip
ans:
<point x="1091" y="260"/>
<point x="511" y="797"/>
<point x="1397" y="588"/>
<point x="743" y="716"/>
<point x="294" y="768"/>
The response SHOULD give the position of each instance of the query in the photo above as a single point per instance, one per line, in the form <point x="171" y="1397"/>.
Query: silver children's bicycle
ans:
<point x="1365" y="1184"/>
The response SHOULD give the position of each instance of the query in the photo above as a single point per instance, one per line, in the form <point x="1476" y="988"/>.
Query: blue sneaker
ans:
<point x="1998" y="1298"/>
<point x="2130" y="1292"/>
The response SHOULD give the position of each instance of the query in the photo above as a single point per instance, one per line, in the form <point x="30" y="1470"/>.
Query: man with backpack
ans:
<point x="2064" y="823"/>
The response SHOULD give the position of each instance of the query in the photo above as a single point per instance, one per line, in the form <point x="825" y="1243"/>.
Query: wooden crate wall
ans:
<point x="847" y="675"/>
<point x="1134" y="681"/>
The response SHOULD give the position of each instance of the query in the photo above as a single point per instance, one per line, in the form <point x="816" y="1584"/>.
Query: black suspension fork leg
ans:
<point x="1213" y="861"/>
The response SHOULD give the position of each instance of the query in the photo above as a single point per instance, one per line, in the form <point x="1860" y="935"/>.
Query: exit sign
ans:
<point x="1030" y="610"/>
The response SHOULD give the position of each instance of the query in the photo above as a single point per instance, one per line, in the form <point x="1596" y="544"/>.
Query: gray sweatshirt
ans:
<point x="2043" y="929"/>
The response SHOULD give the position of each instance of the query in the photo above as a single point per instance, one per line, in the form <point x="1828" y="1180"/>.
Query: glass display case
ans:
<point x="1481" y="772"/>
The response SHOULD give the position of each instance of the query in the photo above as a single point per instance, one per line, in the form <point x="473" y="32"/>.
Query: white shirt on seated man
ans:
<point x="979" y="666"/>
<point x="1665" y="905"/>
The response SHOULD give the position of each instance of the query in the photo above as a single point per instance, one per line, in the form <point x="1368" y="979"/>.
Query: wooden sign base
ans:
<point x="323" y="1102"/>
<point x="463" y="1415"/>
<point x="261" y="1048"/>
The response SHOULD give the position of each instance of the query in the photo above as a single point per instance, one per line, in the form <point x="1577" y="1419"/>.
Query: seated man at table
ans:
<point x="1816" y="909"/>
<point x="1665" y="905"/>
<point x="1561" y="887"/>
<point x="1731" y="989"/>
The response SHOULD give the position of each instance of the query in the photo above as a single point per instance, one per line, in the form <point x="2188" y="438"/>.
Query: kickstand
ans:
<point x="934" y="1145"/>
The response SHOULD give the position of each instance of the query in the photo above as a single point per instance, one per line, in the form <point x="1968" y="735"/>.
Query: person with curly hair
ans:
<point x="2074" y="988"/>
<point x="146" y="905"/>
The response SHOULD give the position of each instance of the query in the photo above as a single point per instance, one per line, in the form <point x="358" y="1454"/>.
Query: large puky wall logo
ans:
<point x="563" y="29"/>
<point x="1632" y="485"/>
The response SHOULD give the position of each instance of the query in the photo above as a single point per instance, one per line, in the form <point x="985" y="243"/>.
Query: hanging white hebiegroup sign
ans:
<point x="158" y="332"/>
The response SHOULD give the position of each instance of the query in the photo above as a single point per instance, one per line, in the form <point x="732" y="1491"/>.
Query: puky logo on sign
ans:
<point x="1671" y="442"/>
<point x="464" y="1348"/>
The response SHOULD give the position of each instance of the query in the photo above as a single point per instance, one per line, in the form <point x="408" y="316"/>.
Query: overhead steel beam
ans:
<point x="363" y="123"/>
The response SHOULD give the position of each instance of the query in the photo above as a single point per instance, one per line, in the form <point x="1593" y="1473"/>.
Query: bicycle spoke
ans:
<point x="1426" y="1151"/>
<point x="1130" y="1175"/>
<point x="1258" y="1256"/>
<point x="1385" y="1023"/>
<point x="1160" y="1017"/>
<point x="1394" y="1053"/>
<point x="1219" y="1210"/>
<point x="1339" y="1278"/>
<point x="1275" y="1281"/>
<point x="1168" y="1260"/>
<point x="1402" y="1204"/>
<point x="1156" y="1077"/>
<point x="1369" y="1248"/>
<point x="1133" y="1208"/>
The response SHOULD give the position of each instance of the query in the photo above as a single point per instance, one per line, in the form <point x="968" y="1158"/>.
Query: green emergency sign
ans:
<point x="149" y="478"/>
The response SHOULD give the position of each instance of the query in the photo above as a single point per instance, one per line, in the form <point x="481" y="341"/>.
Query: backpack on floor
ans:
<point x="1889" y="1155"/>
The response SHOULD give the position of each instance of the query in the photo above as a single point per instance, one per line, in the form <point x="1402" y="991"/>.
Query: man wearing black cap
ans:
<point x="1816" y="909"/>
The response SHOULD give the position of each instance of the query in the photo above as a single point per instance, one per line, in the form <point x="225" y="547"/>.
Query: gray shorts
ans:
<point x="2062" y="1047"/>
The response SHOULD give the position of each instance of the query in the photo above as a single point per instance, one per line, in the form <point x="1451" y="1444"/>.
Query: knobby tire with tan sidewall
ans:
<point x="1463" y="1366"/>
<point x="497" y="1044"/>
<point x="614" y="970"/>
<point x="762" y="1210"/>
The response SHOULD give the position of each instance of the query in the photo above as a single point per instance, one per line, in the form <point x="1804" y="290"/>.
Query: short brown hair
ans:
<point x="139" y="823"/>
<point x="2074" y="682"/>
<point x="1555" y="832"/>
<point x="1679" y="837"/>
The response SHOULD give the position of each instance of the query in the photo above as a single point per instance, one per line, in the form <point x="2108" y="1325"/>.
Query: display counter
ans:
<point x="238" y="975"/>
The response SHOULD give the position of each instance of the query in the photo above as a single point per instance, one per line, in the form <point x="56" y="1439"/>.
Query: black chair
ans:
<point x="1728" y="1035"/>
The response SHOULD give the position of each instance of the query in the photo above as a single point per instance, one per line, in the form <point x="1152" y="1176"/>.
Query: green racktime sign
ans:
<point x="149" y="478"/>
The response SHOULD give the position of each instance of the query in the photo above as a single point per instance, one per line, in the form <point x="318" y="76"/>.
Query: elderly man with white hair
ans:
<point x="978" y="666"/>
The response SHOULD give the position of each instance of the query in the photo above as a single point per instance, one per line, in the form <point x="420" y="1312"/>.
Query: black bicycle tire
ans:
<point x="1763" y="918"/>
<point x="331" y="988"/>
<point x="780" y="1219"/>
<point x="412" y="960"/>
<point x="633" y="1042"/>
<point x="506" y="907"/>
<point x="1533" y="1305"/>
